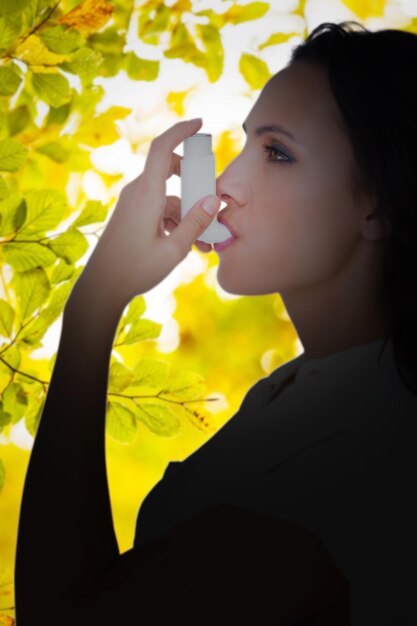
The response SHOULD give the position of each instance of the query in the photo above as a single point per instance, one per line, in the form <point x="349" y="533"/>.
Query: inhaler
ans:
<point x="198" y="179"/>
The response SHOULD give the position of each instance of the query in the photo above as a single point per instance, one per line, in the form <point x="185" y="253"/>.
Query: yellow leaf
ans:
<point x="88" y="16"/>
<point x="366" y="8"/>
<point x="5" y="620"/>
<point x="33" y="52"/>
<point x="175" y="100"/>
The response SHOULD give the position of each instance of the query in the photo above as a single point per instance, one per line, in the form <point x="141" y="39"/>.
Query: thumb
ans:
<point x="195" y="222"/>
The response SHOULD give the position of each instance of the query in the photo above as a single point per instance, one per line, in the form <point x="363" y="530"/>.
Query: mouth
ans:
<point x="222" y="220"/>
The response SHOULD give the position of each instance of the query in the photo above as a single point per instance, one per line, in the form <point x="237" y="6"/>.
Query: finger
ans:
<point x="203" y="246"/>
<point x="192" y="225"/>
<point x="160" y="162"/>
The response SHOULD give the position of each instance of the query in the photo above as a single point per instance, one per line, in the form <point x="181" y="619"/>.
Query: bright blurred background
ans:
<point x="231" y="341"/>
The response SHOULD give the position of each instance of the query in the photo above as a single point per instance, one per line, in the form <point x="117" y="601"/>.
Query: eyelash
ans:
<point x="274" y="149"/>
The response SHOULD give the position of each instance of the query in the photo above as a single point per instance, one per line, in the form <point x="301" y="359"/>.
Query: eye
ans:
<point x="276" y="150"/>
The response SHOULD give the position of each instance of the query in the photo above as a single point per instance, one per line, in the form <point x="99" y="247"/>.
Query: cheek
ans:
<point x="307" y="235"/>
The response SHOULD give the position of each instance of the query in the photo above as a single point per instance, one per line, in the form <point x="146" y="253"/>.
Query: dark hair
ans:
<point x="373" y="76"/>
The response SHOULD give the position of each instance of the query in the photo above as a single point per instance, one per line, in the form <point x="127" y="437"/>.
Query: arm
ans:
<point x="66" y="532"/>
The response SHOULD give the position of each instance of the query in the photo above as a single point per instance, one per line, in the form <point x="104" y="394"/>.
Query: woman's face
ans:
<point x="293" y="211"/>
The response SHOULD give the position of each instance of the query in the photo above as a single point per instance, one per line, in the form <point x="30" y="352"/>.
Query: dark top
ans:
<point x="334" y="452"/>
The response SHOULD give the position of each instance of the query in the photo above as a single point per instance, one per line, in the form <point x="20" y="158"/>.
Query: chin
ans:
<point x="240" y="285"/>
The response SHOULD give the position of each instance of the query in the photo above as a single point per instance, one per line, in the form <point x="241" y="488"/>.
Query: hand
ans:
<point x="134" y="254"/>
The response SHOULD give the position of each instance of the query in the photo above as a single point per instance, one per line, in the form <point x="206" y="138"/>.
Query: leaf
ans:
<point x="139" y="68"/>
<point x="120" y="377"/>
<point x="159" y="419"/>
<point x="277" y="38"/>
<point x="237" y="14"/>
<point x="18" y="119"/>
<point x="9" y="80"/>
<point x="12" y="155"/>
<point x="6" y="319"/>
<point x="88" y="16"/>
<point x="120" y="423"/>
<point x="15" y="401"/>
<point x="45" y="210"/>
<point x="32" y="289"/>
<point x="135" y="309"/>
<point x="150" y="373"/>
<point x="62" y="40"/>
<point x="62" y="271"/>
<point x="12" y="6"/>
<point x="13" y="212"/>
<point x="55" y="150"/>
<point x="70" y="246"/>
<point x="84" y="62"/>
<point x="94" y="212"/>
<point x="10" y="29"/>
<point x="52" y="87"/>
<point x="34" y="52"/>
<point x="25" y="256"/>
<point x="254" y="70"/>
<point x="100" y="130"/>
<point x="142" y="329"/>
<point x="186" y="385"/>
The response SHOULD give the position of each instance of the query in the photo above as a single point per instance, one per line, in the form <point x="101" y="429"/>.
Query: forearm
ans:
<point x="66" y="534"/>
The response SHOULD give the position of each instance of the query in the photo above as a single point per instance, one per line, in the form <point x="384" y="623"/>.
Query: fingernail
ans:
<point x="210" y="204"/>
<point x="196" y="119"/>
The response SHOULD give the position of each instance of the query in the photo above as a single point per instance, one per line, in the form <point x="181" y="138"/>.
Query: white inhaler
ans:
<point x="198" y="179"/>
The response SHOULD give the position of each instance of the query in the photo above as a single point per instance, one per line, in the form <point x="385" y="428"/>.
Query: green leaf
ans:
<point x="7" y="7"/>
<point x="25" y="256"/>
<point x="94" y="212"/>
<point x="70" y="246"/>
<point x="12" y="155"/>
<point x="254" y="70"/>
<point x="62" y="271"/>
<point x="159" y="419"/>
<point x="18" y="119"/>
<point x="33" y="332"/>
<point x="135" y="309"/>
<point x="15" y="401"/>
<point x="120" y="377"/>
<point x="13" y="212"/>
<point x="10" y="29"/>
<point x="150" y="373"/>
<point x="55" y="150"/>
<point x="5" y="418"/>
<point x="45" y="210"/>
<point x="58" y="115"/>
<point x="9" y="80"/>
<point x="84" y="62"/>
<point x="120" y="423"/>
<point x="140" y="69"/>
<point x="6" y="319"/>
<point x="52" y="87"/>
<point x="142" y="329"/>
<point x="187" y="385"/>
<point x="32" y="289"/>
<point x="62" y="40"/>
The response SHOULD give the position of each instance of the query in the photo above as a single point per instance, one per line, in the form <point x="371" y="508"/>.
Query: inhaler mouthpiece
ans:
<point x="198" y="179"/>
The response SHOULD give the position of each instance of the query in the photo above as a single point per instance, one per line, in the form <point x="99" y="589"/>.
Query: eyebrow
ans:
<point x="261" y="130"/>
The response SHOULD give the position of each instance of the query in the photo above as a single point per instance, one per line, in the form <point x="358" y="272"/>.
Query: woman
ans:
<point x="297" y="511"/>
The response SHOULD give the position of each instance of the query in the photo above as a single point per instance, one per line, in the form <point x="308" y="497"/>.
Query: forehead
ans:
<point x="300" y="98"/>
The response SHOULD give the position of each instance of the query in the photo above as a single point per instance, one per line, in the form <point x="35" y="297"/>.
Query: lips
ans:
<point x="222" y="220"/>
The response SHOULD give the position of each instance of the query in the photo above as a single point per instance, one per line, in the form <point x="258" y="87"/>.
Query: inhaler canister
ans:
<point x="198" y="179"/>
